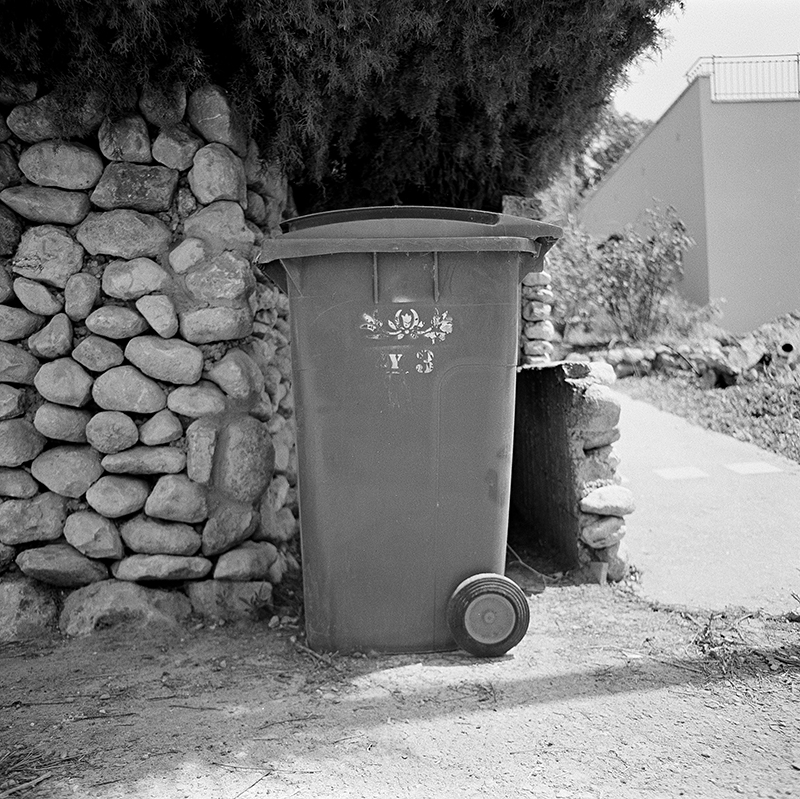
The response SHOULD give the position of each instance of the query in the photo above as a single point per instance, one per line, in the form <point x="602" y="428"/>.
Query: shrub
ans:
<point x="637" y="274"/>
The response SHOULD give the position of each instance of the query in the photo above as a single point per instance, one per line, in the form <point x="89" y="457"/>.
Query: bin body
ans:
<point x="404" y="376"/>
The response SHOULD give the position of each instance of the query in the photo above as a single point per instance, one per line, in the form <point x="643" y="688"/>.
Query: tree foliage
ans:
<point x="451" y="102"/>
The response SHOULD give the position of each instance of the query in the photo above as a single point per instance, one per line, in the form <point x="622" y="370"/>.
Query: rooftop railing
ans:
<point x="738" y="78"/>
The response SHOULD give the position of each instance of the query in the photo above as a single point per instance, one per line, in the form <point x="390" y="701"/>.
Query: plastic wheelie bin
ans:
<point x="404" y="324"/>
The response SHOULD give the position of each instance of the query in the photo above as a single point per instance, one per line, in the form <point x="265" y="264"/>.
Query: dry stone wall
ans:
<point x="565" y="487"/>
<point x="146" y="411"/>
<point x="536" y="329"/>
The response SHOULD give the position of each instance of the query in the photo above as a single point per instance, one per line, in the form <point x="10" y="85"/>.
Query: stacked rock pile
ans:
<point x="592" y="422"/>
<point x="537" y="329"/>
<point x="146" y="412"/>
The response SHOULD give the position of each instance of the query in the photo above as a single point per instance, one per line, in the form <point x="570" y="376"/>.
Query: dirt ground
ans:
<point x="605" y="697"/>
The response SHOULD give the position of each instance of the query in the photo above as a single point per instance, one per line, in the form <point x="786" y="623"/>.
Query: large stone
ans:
<point x="256" y="210"/>
<point x="116" y="321"/>
<point x="36" y="297"/>
<point x="237" y="374"/>
<point x="175" y="147"/>
<point x="161" y="567"/>
<point x="189" y="253"/>
<point x="93" y="535"/>
<point x="217" y="600"/>
<point x="61" y="565"/>
<point x="143" y="188"/>
<point x="16" y="365"/>
<point x="221" y="226"/>
<point x="250" y="561"/>
<point x="40" y="204"/>
<point x="25" y="521"/>
<point x="62" y="165"/>
<point x="599" y="464"/>
<point x="152" y="537"/>
<point x="80" y="295"/>
<point x="10" y="231"/>
<point x="268" y="178"/>
<point x="17" y="484"/>
<point x="596" y="410"/>
<point x="201" y="440"/>
<point x="45" y="117"/>
<point x="161" y="428"/>
<point x="65" y="382"/>
<point x="203" y="399"/>
<point x="599" y="438"/>
<point x="244" y="459"/>
<point x="125" y="388"/>
<point x="111" y="431"/>
<point x="48" y="254"/>
<point x="217" y="174"/>
<point x="279" y="526"/>
<point x="163" y="107"/>
<point x="68" y="471"/>
<point x="11" y="401"/>
<point x="230" y="524"/>
<point x="145" y="460"/>
<point x="210" y="112"/>
<point x="170" y="360"/>
<point x="20" y="441"/>
<point x="62" y="423"/>
<point x="598" y="532"/>
<point x="98" y="354"/>
<point x="114" y="496"/>
<point x="113" y="603"/>
<point x="123" y="233"/>
<point x="611" y="500"/>
<point x="54" y="340"/>
<point x="129" y="280"/>
<point x="10" y="174"/>
<point x="205" y="325"/>
<point x="28" y="610"/>
<point x="125" y="139"/>
<point x="160" y="313"/>
<point x="227" y="277"/>
<point x="17" y="323"/>
<point x="177" y="498"/>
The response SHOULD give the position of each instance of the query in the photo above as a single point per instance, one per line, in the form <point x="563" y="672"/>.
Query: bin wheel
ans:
<point x="488" y="614"/>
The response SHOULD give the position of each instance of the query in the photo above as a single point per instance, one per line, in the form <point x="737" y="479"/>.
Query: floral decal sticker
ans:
<point x="407" y="324"/>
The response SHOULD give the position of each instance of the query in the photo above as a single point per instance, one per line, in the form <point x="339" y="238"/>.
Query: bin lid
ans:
<point x="406" y="228"/>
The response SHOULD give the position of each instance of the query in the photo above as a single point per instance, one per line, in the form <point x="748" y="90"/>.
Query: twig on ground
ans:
<point x="326" y="659"/>
<point x="309" y="717"/>
<point x="517" y="559"/>
<point x="252" y="785"/>
<point x="20" y="703"/>
<point x="101" y="716"/>
<point x="26" y="785"/>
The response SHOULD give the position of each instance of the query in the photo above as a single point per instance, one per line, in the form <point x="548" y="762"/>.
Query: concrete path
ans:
<point x="717" y="522"/>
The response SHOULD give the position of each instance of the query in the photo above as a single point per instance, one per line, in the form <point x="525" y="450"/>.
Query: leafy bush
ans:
<point x="638" y="273"/>
<point x="629" y="280"/>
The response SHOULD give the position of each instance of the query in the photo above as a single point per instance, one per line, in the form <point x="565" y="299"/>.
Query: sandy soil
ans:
<point x="605" y="697"/>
